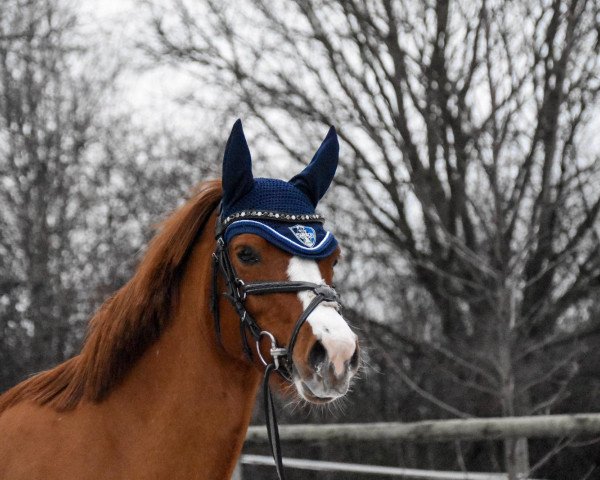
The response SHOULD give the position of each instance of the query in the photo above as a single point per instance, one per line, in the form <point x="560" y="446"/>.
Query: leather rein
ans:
<point x="281" y="357"/>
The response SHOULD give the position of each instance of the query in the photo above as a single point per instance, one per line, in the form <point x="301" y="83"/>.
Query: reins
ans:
<point x="281" y="357"/>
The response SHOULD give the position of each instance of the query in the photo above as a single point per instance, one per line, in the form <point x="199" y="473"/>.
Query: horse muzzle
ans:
<point x="326" y="372"/>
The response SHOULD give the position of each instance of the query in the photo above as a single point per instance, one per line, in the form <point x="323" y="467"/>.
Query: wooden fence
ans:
<point x="543" y="426"/>
<point x="376" y="470"/>
<point x="546" y="426"/>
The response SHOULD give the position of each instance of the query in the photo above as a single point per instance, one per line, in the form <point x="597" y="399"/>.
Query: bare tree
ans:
<point x="80" y="185"/>
<point x="44" y="127"/>
<point x="466" y="128"/>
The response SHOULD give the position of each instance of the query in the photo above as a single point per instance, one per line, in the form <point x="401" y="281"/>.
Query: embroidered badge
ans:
<point x="306" y="235"/>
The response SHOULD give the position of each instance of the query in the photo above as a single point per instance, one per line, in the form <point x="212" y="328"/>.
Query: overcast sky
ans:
<point x="150" y="94"/>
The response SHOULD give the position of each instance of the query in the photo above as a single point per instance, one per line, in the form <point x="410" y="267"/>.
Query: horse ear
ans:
<point x="315" y="179"/>
<point x="237" y="166"/>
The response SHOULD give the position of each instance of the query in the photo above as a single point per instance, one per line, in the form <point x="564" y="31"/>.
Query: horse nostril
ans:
<point x="317" y="355"/>
<point x="354" y="359"/>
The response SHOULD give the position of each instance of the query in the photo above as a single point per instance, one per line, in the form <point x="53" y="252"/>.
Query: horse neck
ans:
<point x="186" y="395"/>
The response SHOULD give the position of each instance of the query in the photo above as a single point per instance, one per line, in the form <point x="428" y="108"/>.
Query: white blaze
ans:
<point x="327" y="324"/>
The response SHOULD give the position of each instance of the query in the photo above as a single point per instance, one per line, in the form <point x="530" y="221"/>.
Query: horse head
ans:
<point x="149" y="370"/>
<point x="274" y="268"/>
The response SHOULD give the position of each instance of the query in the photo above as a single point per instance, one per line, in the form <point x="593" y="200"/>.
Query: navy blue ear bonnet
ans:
<point x="281" y="212"/>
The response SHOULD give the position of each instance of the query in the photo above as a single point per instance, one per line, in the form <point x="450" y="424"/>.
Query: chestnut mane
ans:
<point x="131" y="320"/>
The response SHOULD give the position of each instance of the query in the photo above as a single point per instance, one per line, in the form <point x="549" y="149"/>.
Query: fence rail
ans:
<point x="440" y="430"/>
<point x="408" y="473"/>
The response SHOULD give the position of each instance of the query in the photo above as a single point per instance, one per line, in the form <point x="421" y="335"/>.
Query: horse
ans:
<point x="166" y="379"/>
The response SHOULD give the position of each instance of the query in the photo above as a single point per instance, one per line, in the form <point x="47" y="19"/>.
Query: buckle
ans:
<point x="240" y="289"/>
<point x="275" y="351"/>
<point x="328" y="293"/>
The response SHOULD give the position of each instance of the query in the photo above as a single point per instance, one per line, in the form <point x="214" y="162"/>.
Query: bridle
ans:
<point x="281" y="357"/>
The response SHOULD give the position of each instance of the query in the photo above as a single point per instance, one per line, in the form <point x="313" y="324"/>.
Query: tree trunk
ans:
<point x="516" y="458"/>
<point x="516" y="453"/>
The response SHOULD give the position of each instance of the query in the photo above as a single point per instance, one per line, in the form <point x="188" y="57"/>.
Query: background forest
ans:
<point x="467" y="199"/>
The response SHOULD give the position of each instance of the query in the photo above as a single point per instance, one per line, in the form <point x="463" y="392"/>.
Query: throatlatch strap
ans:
<point x="215" y="298"/>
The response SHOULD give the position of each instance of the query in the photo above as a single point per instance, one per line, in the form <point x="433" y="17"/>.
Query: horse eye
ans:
<point x="248" y="255"/>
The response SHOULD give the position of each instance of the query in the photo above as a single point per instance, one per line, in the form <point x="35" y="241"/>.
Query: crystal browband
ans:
<point x="277" y="216"/>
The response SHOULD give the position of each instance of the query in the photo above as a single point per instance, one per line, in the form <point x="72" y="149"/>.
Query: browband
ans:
<point x="275" y="216"/>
